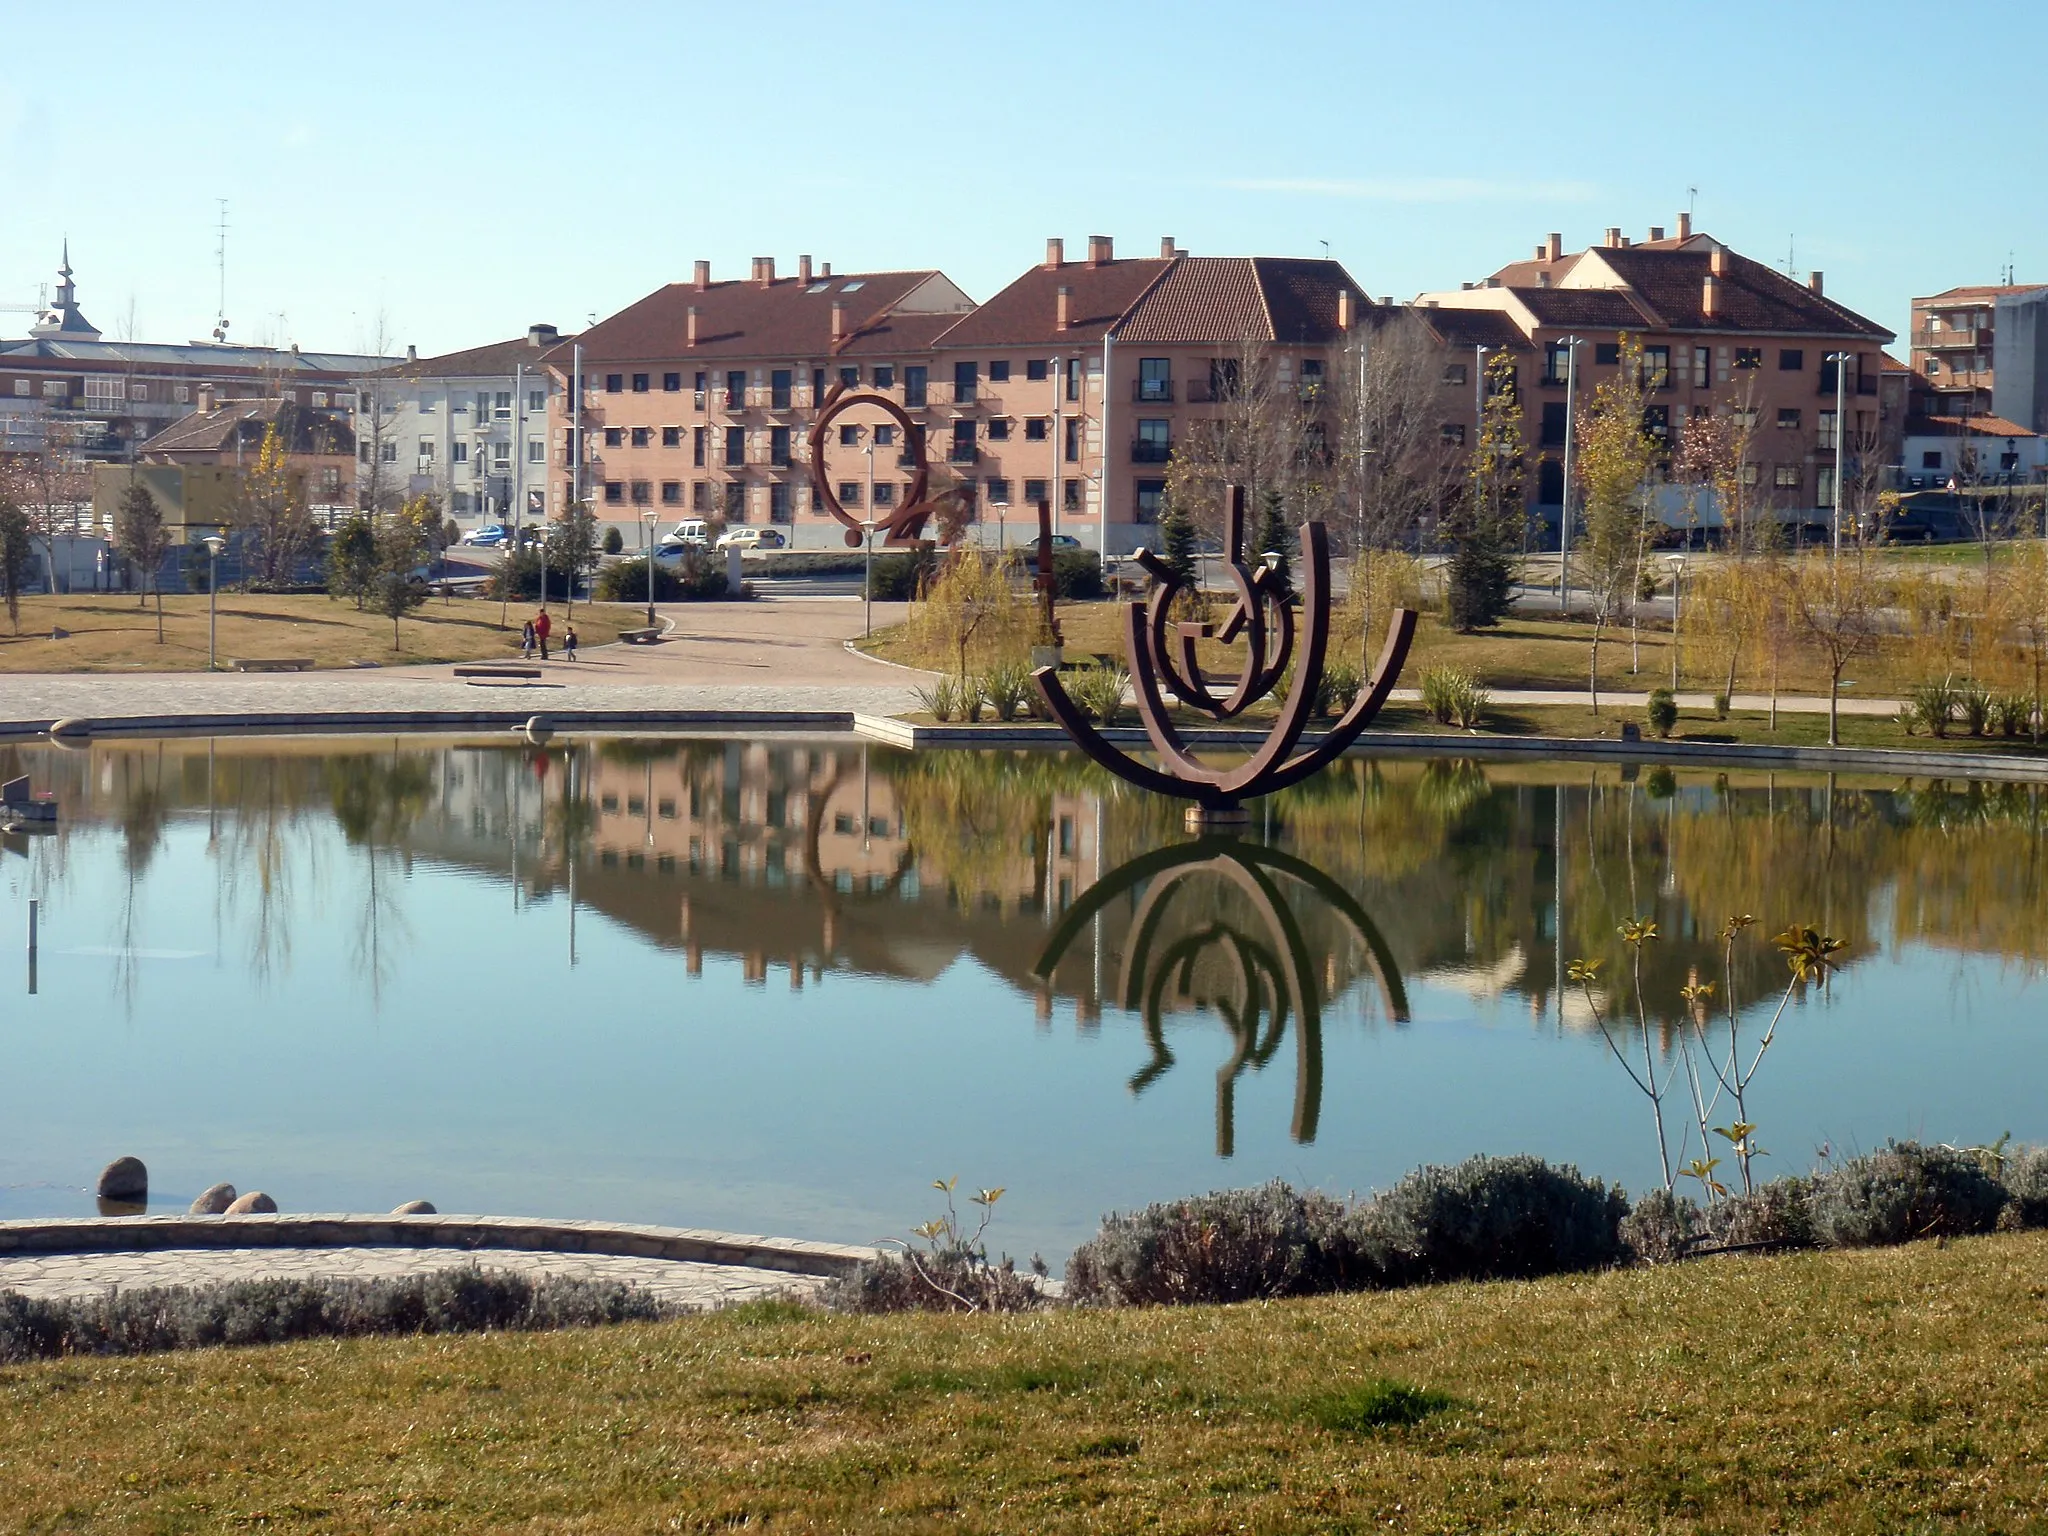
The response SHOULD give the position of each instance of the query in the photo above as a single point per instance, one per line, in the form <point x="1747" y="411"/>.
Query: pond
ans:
<point x="781" y="984"/>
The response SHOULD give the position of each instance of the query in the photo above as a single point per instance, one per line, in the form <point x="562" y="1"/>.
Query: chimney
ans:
<point x="1813" y="282"/>
<point x="838" y="320"/>
<point x="1343" y="309"/>
<point x="703" y="275"/>
<point x="1101" y="250"/>
<point x="803" y="270"/>
<point x="1685" y="226"/>
<point x="1166" y="247"/>
<point x="1553" y="248"/>
<point x="205" y="399"/>
<point x="1656" y="233"/>
<point x="1462" y="287"/>
<point x="691" y="321"/>
<point x="542" y="335"/>
<point x="826" y="270"/>
<point x="764" y="270"/>
<point x="1066" y="305"/>
<point x="1542" y="251"/>
<point x="412" y="353"/>
<point x="1055" y="253"/>
<point x="1386" y="301"/>
<point x="1718" y="262"/>
<point x="1613" y="237"/>
<point x="1710" y="296"/>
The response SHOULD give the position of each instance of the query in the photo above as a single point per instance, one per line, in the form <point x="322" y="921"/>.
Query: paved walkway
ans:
<point x="697" y="1286"/>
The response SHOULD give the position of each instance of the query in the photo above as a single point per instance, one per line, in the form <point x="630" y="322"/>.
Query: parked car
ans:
<point x="490" y="536"/>
<point x="691" y="530"/>
<point x="1065" y="541"/>
<point x="751" y="538"/>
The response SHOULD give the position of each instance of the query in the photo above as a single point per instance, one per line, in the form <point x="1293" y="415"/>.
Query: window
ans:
<point x="698" y="387"/>
<point x="778" y="447"/>
<point x="643" y="493"/>
<point x="1074" y="378"/>
<point x="697" y="446"/>
<point x="885" y="434"/>
<point x="642" y="436"/>
<point x="1749" y="357"/>
<point x="1788" y="418"/>
<point x="1070" y="495"/>
<point x="778" y="502"/>
<point x="1657" y="422"/>
<point x="736" y="389"/>
<point x="1933" y="366"/>
<point x="1656" y="367"/>
<point x="1702" y="363"/>
<point x="1744" y="417"/>
<point x="885" y="494"/>
<point x="780" y="383"/>
<point x="1154" y="442"/>
<point x="1607" y="354"/>
<point x="999" y="493"/>
<point x="1825" y="420"/>
<point x="1073" y="444"/>
<point x="966" y="382"/>
<point x="1824" y="486"/>
<point x="426" y="447"/>
<point x="700" y="496"/>
<point x="1034" y="429"/>
<point x="458" y="452"/>
<point x="21" y="386"/>
<point x="1311" y="377"/>
<point x="1034" y="370"/>
<point x="1557" y="362"/>
<point x="999" y="430"/>
<point x="536" y="399"/>
<point x="885" y="375"/>
<point x="181" y="393"/>
<point x="963" y="450"/>
<point x="614" y="382"/>
<point x="1155" y="379"/>
<point x="1931" y="459"/>
<point x="671" y="384"/>
<point x="849" y="435"/>
<point x="1454" y="373"/>
<point x="639" y="383"/>
<point x="615" y="437"/>
<point x="363" y="452"/>
<point x="1034" y="492"/>
<point x="1791" y="359"/>
<point x="1149" y="494"/>
<point x="141" y="392"/>
<point x="735" y="445"/>
<point x="849" y="493"/>
<point x="736" y="501"/>
<point x="501" y="454"/>
<point x="914" y="384"/>
<point x="1788" y="477"/>
<point x="671" y="437"/>
<point x="536" y="450"/>
<point x="1453" y="434"/>
<point x="999" y="372"/>
<point x="1749" y="474"/>
<point x="390" y="454"/>
<point x="1554" y="416"/>
<point x="850" y="377"/>
<point x="614" y="493"/>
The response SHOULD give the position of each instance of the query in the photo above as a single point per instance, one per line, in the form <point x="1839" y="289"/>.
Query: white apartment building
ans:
<point x="469" y="428"/>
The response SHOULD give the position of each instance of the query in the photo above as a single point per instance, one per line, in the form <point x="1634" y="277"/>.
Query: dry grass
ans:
<point x="110" y="633"/>
<point x="1877" y="1391"/>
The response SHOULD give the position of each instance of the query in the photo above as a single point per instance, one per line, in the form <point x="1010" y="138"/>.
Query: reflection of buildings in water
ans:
<point x="1214" y="932"/>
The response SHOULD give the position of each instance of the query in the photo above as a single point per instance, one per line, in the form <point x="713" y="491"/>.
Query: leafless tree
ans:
<point x="1390" y="464"/>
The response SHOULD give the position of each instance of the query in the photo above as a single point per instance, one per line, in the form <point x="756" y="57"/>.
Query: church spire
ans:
<point x="63" y="319"/>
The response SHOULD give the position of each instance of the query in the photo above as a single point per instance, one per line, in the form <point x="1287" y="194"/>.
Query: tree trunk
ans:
<point x="1834" y="706"/>
<point x="158" y="586"/>
<point x="1593" y="663"/>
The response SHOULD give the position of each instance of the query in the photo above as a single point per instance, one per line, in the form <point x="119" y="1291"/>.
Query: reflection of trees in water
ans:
<point x="376" y="801"/>
<point x="144" y="807"/>
<point x="1214" y="932"/>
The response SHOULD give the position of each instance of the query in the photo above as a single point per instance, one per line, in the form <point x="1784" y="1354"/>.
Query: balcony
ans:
<point x="735" y="401"/>
<point x="966" y="394"/>
<point x="1946" y="340"/>
<point x="1152" y="391"/>
<point x="963" y="453"/>
<point x="1150" y="450"/>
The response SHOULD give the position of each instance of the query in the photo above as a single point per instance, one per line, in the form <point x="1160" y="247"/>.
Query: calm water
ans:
<point x="780" y="985"/>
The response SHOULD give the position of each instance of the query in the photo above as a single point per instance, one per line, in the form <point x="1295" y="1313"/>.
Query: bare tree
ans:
<point x="140" y="535"/>
<point x="379" y="489"/>
<point x="1836" y="603"/>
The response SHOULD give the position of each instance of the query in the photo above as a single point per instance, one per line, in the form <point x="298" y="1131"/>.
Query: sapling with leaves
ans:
<point x="1635" y="933"/>
<point x="955" y="1254"/>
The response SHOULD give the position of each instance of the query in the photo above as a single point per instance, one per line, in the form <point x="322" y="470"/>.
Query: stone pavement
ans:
<point x="692" y="1285"/>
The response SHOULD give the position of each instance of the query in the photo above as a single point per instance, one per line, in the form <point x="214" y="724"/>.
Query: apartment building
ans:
<point x="1720" y="333"/>
<point x="1957" y="356"/>
<point x="468" y="428"/>
<point x="696" y="399"/>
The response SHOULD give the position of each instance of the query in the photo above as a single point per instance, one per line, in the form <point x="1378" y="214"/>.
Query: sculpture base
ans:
<point x="1209" y="818"/>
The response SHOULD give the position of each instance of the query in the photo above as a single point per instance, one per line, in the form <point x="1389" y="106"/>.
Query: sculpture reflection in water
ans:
<point x="1214" y="930"/>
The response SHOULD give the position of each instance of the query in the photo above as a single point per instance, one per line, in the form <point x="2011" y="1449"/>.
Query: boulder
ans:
<point x="416" y="1208"/>
<point x="213" y="1202"/>
<point x="124" y="1179"/>
<point x="254" y="1203"/>
<point x="539" y="730"/>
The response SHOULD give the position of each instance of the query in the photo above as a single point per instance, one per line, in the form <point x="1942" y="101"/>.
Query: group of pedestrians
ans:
<point x="535" y="636"/>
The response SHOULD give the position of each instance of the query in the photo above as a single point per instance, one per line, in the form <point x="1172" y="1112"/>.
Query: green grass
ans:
<point x="1877" y="1391"/>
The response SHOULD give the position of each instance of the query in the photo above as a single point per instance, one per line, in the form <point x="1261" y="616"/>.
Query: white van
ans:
<point x="691" y="530"/>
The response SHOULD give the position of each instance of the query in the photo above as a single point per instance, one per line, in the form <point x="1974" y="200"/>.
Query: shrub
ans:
<point x="1076" y="575"/>
<point x="1341" y="682"/>
<point x="941" y="700"/>
<point x="1006" y="689"/>
<point x="900" y="576"/>
<point x="1908" y="717"/>
<point x="1454" y="696"/>
<point x="614" y="541"/>
<point x="1720" y="706"/>
<point x="949" y="1280"/>
<point x="1230" y="1245"/>
<point x="691" y="579"/>
<point x="967" y="691"/>
<point x="2014" y="713"/>
<point x="1661" y="713"/>
<point x="1508" y="1217"/>
<point x="1901" y="1192"/>
<point x="1376" y="1405"/>
<point x="462" y="1300"/>
<point x="1934" y="705"/>
<point x="519" y="577"/>
<point x="2026" y="1188"/>
<point x="1779" y="1213"/>
<point x="1098" y="692"/>
<point x="1973" y="703"/>
<point x="1662" y="1228"/>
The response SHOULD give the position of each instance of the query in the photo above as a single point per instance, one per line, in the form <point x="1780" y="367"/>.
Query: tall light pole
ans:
<point x="1840" y="360"/>
<point x="867" y="530"/>
<point x="1677" y="599"/>
<point x="1564" y="512"/>
<point x="647" y="518"/>
<point x="214" y="545"/>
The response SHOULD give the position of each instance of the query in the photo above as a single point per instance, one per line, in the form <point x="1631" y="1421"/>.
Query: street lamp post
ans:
<point x="1564" y="512"/>
<point x="867" y="528"/>
<point x="1840" y="360"/>
<point x="214" y="545"/>
<point x="1677" y="600"/>
<point x="647" y="520"/>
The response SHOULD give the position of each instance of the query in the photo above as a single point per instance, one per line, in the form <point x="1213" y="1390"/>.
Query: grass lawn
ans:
<point x="109" y="632"/>
<point x="1875" y="1391"/>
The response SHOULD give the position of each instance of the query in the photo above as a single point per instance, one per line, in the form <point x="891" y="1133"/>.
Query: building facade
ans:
<point x="1957" y="357"/>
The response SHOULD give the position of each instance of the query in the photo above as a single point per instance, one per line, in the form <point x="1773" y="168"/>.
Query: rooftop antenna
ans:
<point x="1326" y="248"/>
<point x="1791" y="254"/>
<point x="1692" y="196"/>
<point x="220" y="257"/>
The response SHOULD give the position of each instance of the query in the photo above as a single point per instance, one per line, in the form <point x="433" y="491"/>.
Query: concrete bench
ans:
<point x="646" y="636"/>
<point x="525" y="674"/>
<point x="272" y="664"/>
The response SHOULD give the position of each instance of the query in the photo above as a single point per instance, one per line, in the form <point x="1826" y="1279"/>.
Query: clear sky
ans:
<point x="466" y="170"/>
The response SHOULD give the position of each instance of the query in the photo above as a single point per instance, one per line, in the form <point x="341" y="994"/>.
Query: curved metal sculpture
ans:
<point x="905" y="523"/>
<point x="1162" y="651"/>
<point x="1270" y="973"/>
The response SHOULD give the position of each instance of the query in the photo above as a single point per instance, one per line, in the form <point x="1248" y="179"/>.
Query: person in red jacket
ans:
<point x="542" y="624"/>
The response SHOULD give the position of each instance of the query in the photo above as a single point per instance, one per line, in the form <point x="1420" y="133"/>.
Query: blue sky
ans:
<point x="466" y="170"/>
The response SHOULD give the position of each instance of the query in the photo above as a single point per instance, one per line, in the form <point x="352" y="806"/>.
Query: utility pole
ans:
<point x="1841" y="362"/>
<point x="1564" y="513"/>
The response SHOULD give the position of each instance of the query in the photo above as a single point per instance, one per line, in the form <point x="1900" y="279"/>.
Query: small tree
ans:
<point x="1837" y="604"/>
<point x="272" y="509"/>
<point x="572" y="549"/>
<point x="1484" y="526"/>
<point x="1614" y="456"/>
<point x="139" y="530"/>
<point x="353" y="559"/>
<point x="400" y="545"/>
<point x="17" y="554"/>
<point x="1177" y="540"/>
<point x="1272" y="540"/>
<point x="614" y="541"/>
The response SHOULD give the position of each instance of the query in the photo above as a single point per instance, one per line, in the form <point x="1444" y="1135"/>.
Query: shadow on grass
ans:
<point x="1374" y="1406"/>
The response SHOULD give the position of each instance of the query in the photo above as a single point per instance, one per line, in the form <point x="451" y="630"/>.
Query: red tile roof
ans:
<point x="1461" y="328"/>
<point x="786" y="318"/>
<point x="490" y="361"/>
<point x="1965" y="426"/>
<point x="1986" y="291"/>
<point x="1754" y="297"/>
<point x="1604" y="308"/>
<point x="1027" y="312"/>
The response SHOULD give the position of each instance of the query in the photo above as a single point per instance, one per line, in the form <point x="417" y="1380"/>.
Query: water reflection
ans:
<point x="1214" y="932"/>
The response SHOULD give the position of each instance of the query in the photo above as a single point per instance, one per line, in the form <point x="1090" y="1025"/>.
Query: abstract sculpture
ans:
<point x="1163" y="650"/>
<point x="905" y="523"/>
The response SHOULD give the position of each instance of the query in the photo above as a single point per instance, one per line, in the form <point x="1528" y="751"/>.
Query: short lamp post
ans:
<point x="1677" y="606"/>
<point x="647" y="520"/>
<point x="214" y="545"/>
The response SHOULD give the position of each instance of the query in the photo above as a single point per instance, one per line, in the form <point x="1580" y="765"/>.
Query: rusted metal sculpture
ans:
<point x="1047" y="580"/>
<point x="905" y="523"/>
<point x="1268" y="971"/>
<point x="1162" y="650"/>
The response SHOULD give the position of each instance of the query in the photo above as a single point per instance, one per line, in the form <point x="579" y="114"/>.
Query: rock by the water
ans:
<point x="416" y="1208"/>
<point x="539" y="729"/>
<point x="124" y="1179"/>
<point x="254" y="1203"/>
<point x="214" y="1201"/>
